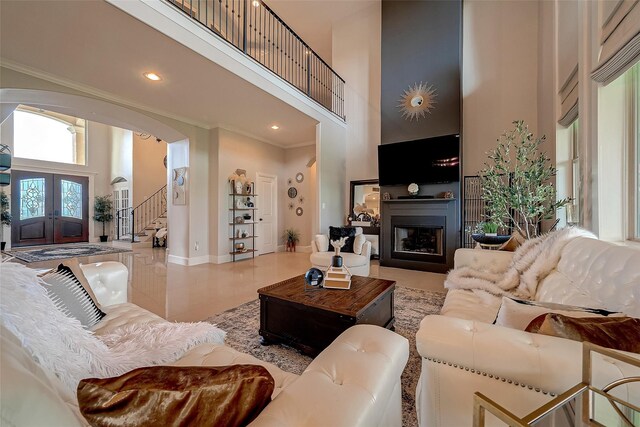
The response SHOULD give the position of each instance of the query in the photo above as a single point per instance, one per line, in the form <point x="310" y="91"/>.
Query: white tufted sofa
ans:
<point x="353" y="382"/>
<point x="462" y="352"/>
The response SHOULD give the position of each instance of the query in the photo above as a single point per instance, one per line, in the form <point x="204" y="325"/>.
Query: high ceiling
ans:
<point x="313" y="20"/>
<point x="94" y="44"/>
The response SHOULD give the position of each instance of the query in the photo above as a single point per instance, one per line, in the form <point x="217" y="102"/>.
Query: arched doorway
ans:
<point x="94" y="110"/>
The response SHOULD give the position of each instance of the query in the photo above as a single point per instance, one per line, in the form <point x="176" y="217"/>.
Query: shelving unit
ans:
<point x="248" y="226"/>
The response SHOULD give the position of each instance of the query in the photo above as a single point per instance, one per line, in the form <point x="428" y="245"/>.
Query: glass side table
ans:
<point x="583" y="404"/>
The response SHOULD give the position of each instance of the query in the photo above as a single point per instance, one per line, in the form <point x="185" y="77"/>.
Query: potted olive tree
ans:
<point x="517" y="182"/>
<point x="5" y="217"/>
<point x="103" y="212"/>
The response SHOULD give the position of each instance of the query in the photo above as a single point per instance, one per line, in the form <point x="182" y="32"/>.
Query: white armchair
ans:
<point x="357" y="263"/>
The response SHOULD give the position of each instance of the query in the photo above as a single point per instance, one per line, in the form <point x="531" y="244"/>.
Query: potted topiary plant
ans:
<point x="489" y="228"/>
<point x="291" y="238"/>
<point x="516" y="183"/>
<point x="103" y="212"/>
<point x="5" y="217"/>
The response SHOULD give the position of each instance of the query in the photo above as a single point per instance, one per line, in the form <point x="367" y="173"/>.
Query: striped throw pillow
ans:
<point x="71" y="298"/>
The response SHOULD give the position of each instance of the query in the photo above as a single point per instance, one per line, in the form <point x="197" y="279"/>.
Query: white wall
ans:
<point x="296" y="160"/>
<point x="149" y="173"/>
<point x="331" y="141"/>
<point x="356" y="57"/>
<point x="178" y="215"/>
<point x="122" y="155"/>
<point x="237" y="151"/>
<point x="500" y="74"/>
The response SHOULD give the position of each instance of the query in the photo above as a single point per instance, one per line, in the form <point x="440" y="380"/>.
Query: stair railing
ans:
<point x="254" y="29"/>
<point x="123" y="225"/>
<point x="147" y="212"/>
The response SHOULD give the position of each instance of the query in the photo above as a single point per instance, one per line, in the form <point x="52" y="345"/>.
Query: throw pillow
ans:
<point x="177" y="396"/>
<point x="618" y="333"/>
<point x="358" y="243"/>
<point x="70" y="297"/>
<point x="514" y="242"/>
<point x="322" y="241"/>
<point x="73" y="266"/>
<point x="336" y="233"/>
<point x="517" y="314"/>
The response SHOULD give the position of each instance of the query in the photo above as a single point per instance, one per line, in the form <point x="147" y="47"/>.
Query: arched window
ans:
<point x="41" y="135"/>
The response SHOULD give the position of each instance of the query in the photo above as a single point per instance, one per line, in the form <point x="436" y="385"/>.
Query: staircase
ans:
<point x="140" y="223"/>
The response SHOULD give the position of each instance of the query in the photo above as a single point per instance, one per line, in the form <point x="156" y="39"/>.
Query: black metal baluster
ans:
<point x="269" y="40"/>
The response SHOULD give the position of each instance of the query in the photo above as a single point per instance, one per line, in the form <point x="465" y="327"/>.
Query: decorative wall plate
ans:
<point x="299" y="177"/>
<point x="299" y="211"/>
<point x="292" y="192"/>
<point x="178" y="186"/>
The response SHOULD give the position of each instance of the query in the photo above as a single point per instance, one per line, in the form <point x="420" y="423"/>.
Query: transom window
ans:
<point x="48" y="136"/>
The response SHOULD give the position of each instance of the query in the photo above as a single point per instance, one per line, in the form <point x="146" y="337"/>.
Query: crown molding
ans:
<point x="260" y="139"/>
<point x="90" y="90"/>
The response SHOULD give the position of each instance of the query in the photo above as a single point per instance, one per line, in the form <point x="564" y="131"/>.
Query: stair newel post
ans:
<point x="118" y="224"/>
<point x="133" y="226"/>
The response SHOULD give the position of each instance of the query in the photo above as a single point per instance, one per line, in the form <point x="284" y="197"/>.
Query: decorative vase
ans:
<point x="2" y="245"/>
<point x="336" y="261"/>
<point x="238" y="187"/>
<point x="104" y="238"/>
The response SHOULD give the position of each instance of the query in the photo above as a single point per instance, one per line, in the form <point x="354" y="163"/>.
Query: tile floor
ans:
<point x="180" y="293"/>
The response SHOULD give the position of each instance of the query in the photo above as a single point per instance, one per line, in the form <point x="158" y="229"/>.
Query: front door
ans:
<point x="48" y="208"/>
<point x="266" y="202"/>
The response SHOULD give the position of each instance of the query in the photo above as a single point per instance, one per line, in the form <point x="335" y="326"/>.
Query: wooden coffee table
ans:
<point x="309" y="320"/>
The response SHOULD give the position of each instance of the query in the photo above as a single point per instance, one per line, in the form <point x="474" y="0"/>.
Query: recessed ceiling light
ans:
<point x="152" y="76"/>
<point x="275" y="127"/>
<point x="255" y="3"/>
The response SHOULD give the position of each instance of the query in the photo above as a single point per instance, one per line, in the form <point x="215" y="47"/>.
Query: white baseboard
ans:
<point x="197" y="260"/>
<point x="219" y="259"/>
<point x="174" y="259"/>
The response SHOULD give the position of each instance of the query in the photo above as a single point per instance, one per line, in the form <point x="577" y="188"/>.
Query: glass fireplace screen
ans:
<point x="418" y="240"/>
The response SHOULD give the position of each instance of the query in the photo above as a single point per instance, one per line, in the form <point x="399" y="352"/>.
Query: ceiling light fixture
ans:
<point x="275" y="127"/>
<point x="152" y="76"/>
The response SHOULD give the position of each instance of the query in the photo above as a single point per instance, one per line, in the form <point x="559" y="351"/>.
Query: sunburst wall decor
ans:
<point x="417" y="101"/>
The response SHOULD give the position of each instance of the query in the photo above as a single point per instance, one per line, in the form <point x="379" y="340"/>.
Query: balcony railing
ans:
<point x="256" y="30"/>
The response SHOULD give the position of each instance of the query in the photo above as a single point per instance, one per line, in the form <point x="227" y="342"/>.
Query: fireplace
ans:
<point x="419" y="234"/>
<point x="419" y="238"/>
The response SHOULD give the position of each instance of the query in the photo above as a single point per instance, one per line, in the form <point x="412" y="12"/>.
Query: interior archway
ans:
<point x="99" y="111"/>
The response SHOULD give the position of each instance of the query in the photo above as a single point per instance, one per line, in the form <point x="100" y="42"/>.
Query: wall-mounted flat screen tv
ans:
<point x="423" y="161"/>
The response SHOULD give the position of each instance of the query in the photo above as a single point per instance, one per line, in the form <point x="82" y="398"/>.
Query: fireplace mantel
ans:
<point x="415" y="208"/>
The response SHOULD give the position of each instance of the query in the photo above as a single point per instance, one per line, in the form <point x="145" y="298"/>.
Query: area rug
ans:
<point x="64" y="251"/>
<point x="411" y="305"/>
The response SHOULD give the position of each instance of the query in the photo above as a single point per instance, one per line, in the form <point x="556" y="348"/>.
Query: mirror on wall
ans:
<point x="365" y="201"/>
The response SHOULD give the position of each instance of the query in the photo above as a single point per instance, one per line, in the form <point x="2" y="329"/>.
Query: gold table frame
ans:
<point x="482" y="404"/>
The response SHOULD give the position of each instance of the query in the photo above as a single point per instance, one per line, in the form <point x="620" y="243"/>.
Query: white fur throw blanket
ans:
<point x="531" y="263"/>
<point x="64" y="349"/>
